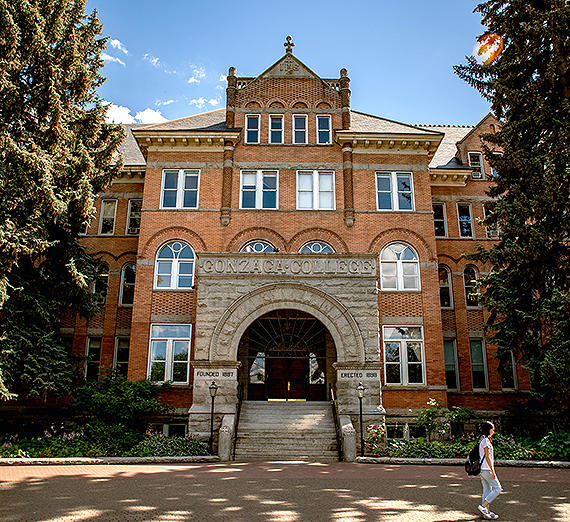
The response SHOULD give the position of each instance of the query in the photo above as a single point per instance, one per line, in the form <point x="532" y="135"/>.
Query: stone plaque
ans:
<point x="358" y="375"/>
<point x="215" y="374"/>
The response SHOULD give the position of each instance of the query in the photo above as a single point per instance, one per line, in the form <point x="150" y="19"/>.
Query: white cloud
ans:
<point x="197" y="74"/>
<point x="201" y="102"/>
<point x="116" y="44"/>
<point x="223" y="78"/>
<point x="150" y="116"/>
<point x="154" y="61"/>
<point x="193" y="80"/>
<point x="119" y="114"/>
<point x="109" y="58"/>
<point x="168" y="102"/>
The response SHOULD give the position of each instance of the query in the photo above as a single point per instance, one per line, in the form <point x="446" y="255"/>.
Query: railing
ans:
<point x="241" y="390"/>
<point x="334" y="406"/>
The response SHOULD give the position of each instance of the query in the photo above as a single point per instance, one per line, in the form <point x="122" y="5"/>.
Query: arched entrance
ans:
<point x="286" y="355"/>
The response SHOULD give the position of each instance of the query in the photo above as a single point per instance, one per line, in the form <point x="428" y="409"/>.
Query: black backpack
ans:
<point x="474" y="461"/>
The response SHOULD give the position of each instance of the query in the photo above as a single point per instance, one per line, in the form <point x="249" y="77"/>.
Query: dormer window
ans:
<point x="476" y="161"/>
<point x="300" y="129"/>
<point x="252" y="128"/>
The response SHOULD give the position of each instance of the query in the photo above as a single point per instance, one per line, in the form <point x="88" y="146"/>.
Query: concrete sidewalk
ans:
<point x="274" y="491"/>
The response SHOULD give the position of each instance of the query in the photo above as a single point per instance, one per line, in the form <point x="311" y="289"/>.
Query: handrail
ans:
<point x="334" y="406"/>
<point x="238" y="412"/>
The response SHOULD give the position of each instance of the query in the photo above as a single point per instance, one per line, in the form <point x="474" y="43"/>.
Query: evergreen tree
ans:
<point x="528" y="86"/>
<point x="56" y="154"/>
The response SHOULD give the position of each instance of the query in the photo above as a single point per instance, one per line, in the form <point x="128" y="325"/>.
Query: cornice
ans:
<point x="449" y="177"/>
<point x="389" y="143"/>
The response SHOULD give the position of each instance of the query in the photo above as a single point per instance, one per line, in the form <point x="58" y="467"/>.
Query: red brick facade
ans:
<point x="216" y="145"/>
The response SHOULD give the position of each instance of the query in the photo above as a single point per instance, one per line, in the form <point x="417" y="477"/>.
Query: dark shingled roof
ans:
<point x="447" y="148"/>
<point x="207" y="121"/>
<point x="132" y="155"/>
<point x="361" y="122"/>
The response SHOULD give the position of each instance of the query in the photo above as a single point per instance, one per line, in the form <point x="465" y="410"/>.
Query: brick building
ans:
<point x="290" y="244"/>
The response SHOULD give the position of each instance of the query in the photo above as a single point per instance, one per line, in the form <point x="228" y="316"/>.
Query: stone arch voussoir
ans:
<point x="403" y="235"/>
<point x="169" y="234"/>
<point x="242" y="312"/>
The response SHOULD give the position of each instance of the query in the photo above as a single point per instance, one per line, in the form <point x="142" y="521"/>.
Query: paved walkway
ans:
<point x="274" y="491"/>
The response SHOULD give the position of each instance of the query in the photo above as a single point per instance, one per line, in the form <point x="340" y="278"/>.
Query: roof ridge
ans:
<point x="153" y="125"/>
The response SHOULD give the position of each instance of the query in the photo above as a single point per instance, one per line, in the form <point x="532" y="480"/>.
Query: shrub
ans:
<point x="556" y="444"/>
<point x="159" y="445"/>
<point x="375" y="439"/>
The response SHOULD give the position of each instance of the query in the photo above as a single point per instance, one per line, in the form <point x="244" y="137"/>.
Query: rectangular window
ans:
<point x="315" y="190"/>
<point x="476" y="161"/>
<point x="493" y="232"/>
<point x="394" y="191"/>
<point x="439" y="219"/>
<point x="93" y="356"/>
<point x="497" y="156"/>
<point x="276" y="128"/>
<point x="259" y="189"/>
<point x="465" y="220"/>
<point x="478" y="366"/>
<point x="451" y="374"/>
<point x="300" y="128"/>
<point x="252" y="128"/>
<point x="324" y="130"/>
<point x="108" y="210"/>
<point x="509" y="376"/>
<point x="121" y="356"/>
<point x="169" y="353"/>
<point x="134" y="221"/>
<point x="180" y="188"/>
<point x="101" y="285"/>
<point x="403" y="355"/>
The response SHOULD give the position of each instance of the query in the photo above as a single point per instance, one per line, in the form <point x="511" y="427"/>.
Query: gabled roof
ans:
<point x="361" y="122"/>
<point x="448" y="147"/>
<point x="132" y="155"/>
<point x="207" y="121"/>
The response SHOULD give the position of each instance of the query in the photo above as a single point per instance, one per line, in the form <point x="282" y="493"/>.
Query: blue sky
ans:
<point x="168" y="60"/>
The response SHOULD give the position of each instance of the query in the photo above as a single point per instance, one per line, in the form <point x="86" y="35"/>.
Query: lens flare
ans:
<point x="488" y="48"/>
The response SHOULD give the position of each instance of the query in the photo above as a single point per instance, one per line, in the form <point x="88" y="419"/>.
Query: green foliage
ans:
<point x="556" y="444"/>
<point x="49" y="446"/>
<point x="159" y="445"/>
<point x="375" y="439"/>
<point x="437" y="420"/>
<point x="528" y="291"/>
<point x="55" y="156"/>
<point x="116" y="411"/>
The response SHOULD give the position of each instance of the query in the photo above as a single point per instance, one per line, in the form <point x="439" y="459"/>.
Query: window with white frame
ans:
<point x="128" y="274"/>
<point x="465" y="220"/>
<point x="399" y="268"/>
<point x="258" y="246"/>
<point x="470" y="277"/>
<point x="324" y="136"/>
<point x="93" y="358"/>
<point x="300" y="128"/>
<point x="445" y="294"/>
<point x="174" y="267"/>
<point x="508" y="373"/>
<point x="494" y="231"/>
<point x="315" y="190"/>
<point x="403" y="355"/>
<point x="316" y="247"/>
<point x="108" y="211"/>
<point x="134" y="219"/>
<point x="121" y="355"/>
<point x="394" y="191"/>
<point x="252" y="128"/>
<point x="494" y="171"/>
<point x="478" y="364"/>
<point x="439" y="222"/>
<point x="476" y="161"/>
<point x="259" y="189"/>
<point x="180" y="188"/>
<point x="169" y="353"/>
<point x="451" y="373"/>
<point x="276" y="128"/>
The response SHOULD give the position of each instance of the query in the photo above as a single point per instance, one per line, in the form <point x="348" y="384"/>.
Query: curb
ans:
<point x="105" y="460"/>
<point x="461" y="462"/>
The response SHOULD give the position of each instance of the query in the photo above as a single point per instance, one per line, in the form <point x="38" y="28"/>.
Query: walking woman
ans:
<point x="491" y="484"/>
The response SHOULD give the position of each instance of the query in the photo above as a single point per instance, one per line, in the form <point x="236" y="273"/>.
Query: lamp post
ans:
<point x="360" y="391"/>
<point x="213" y="390"/>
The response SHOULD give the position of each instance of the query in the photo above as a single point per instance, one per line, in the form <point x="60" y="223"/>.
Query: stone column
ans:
<point x="348" y="185"/>
<point x="227" y="177"/>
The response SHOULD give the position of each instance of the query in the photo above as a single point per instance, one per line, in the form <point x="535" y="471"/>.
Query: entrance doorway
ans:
<point x="284" y="357"/>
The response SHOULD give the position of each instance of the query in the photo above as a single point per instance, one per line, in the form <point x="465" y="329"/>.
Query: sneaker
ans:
<point x="492" y="516"/>
<point x="484" y="511"/>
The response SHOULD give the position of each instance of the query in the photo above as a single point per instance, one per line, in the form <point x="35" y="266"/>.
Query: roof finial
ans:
<point x="289" y="45"/>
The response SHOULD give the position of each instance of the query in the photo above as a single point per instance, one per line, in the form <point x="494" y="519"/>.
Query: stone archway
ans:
<point x="327" y="309"/>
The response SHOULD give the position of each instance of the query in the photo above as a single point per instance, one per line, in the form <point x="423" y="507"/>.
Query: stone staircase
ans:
<point x="286" y="431"/>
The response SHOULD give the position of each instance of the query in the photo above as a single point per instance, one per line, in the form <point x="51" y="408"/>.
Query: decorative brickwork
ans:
<point x="475" y="320"/>
<point x="448" y="320"/>
<point x="401" y="304"/>
<point x="124" y="317"/>
<point x="173" y="303"/>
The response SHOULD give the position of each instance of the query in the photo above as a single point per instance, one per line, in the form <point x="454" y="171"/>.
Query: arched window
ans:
<point x="128" y="283"/>
<point x="174" y="266"/>
<point x="316" y="247"/>
<point x="399" y="268"/>
<point x="445" y="295"/>
<point x="258" y="246"/>
<point x="470" y="277"/>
